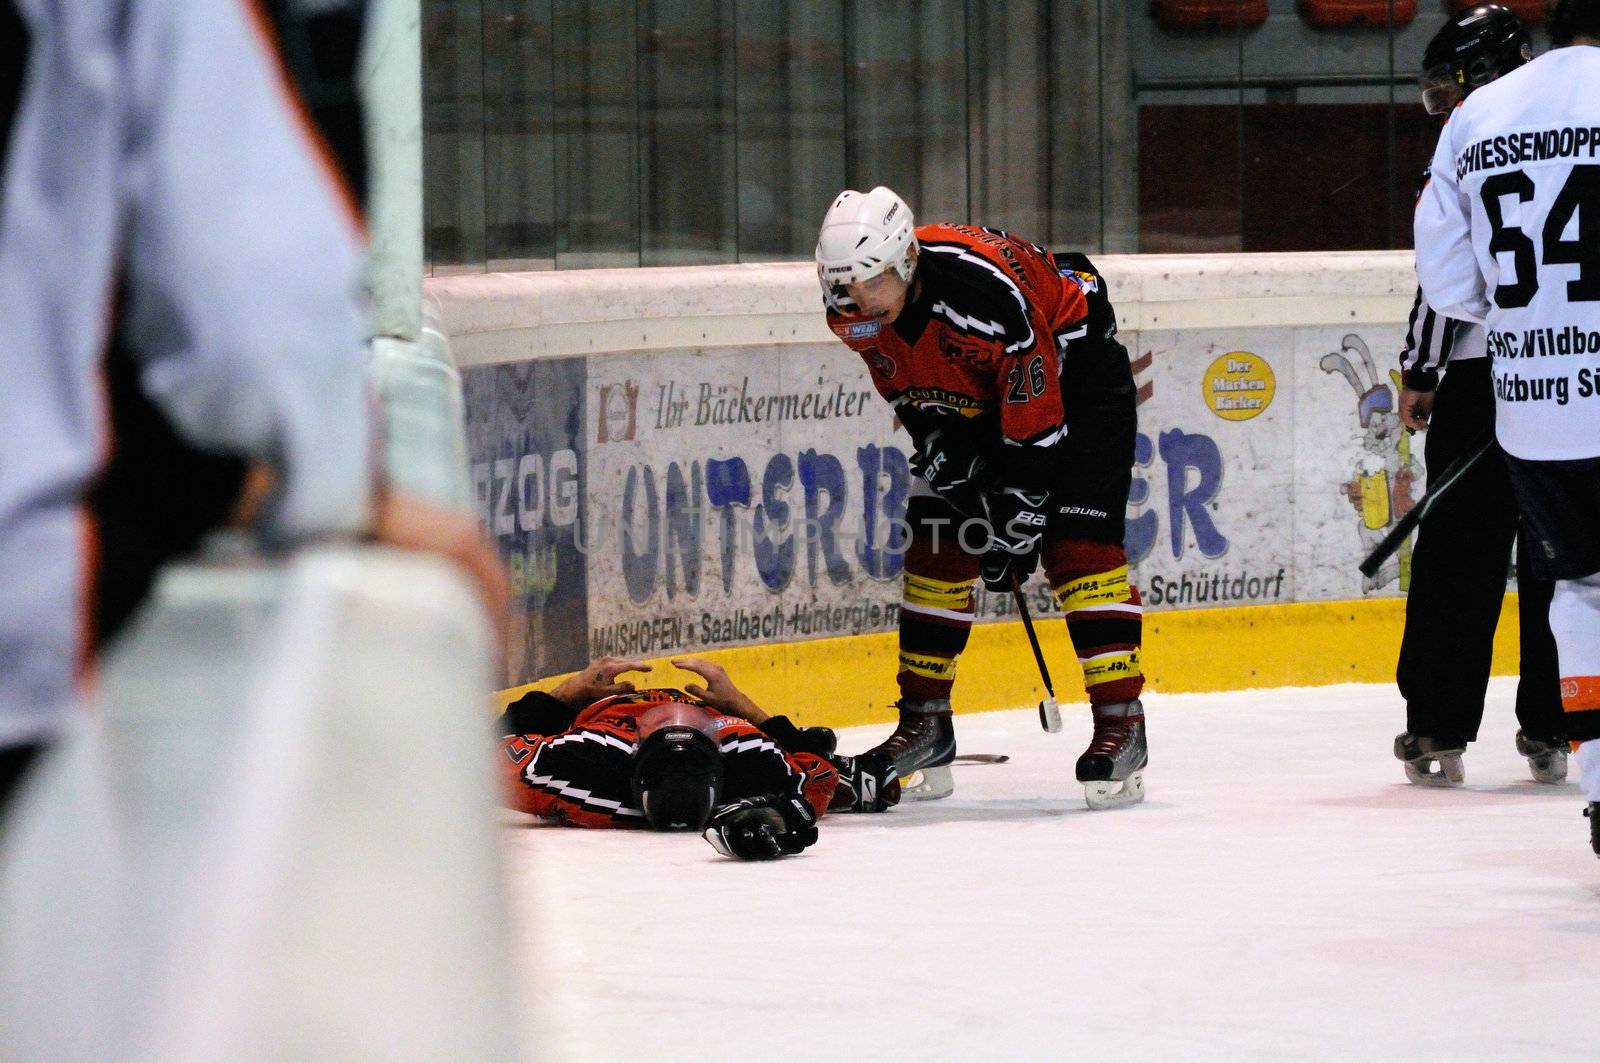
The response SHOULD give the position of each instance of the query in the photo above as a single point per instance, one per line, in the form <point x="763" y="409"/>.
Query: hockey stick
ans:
<point x="1049" y="713"/>
<point x="981" y="758"/>
<point x="914" y="779"/>
<point x="1404" y="526"/>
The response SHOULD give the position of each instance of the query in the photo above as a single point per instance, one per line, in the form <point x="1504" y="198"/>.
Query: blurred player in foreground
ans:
<point x="1001" y="360"/>
<point x="596" y="752"/>
<point x="1458" y="567"/>
<point x="167" y="197"/>
<point x="1508" y="234"/>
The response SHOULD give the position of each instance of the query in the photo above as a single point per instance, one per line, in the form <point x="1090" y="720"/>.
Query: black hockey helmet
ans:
<point x="1472" y="49"/>
<point x="677" y="768"/>
<point x="1565" y="20"/>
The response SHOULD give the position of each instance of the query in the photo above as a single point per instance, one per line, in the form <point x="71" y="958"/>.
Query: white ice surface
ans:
<point x="1283" y="893"/>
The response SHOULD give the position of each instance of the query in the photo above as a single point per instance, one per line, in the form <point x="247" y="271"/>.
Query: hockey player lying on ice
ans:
<point x="596" y="752"/>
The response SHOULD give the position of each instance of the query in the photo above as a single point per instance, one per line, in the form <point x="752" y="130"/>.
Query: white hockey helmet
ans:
<point x="864" y="234"/>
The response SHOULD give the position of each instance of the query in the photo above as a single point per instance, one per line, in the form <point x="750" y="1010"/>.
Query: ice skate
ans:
<point x="1112" y="768"/>
<point x="1431" y="761"/>
<point x="922" y="747"/>
<point x="1547" y="759"/>
<point x="1592" y="813"/>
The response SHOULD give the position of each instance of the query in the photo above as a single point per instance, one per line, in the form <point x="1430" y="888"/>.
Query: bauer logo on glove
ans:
<point x="1017" y="519"/>
<point x="952" y="469"/>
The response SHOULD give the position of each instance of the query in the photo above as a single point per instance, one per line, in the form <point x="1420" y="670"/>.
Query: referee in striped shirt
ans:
<point x="1463" y="550"/>
<point x="1459" y="565"/>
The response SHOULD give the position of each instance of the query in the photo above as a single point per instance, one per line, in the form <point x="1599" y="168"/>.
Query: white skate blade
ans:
<point x="1050" y="716"/>
<point x="1451" y="772"/>
<point x="928" y="784"/>
<point x="1114" y="793"/>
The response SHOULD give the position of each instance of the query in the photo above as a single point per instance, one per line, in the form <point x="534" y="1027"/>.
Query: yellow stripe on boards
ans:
<point x="843" y="682"/>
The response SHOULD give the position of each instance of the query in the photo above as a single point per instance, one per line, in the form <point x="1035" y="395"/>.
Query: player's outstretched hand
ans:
<point x="597" y="681"/>
<point x="762" y="828"/>
<point x="719" y="691"/>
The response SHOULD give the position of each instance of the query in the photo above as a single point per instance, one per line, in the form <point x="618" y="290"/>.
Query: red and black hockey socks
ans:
<point x="1104" y="616"/>
<point x="935" y="615"/>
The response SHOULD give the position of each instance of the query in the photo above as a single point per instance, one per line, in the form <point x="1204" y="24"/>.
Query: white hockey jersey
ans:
<point x="153" y="147"/>
<point x="1508" y="234"/>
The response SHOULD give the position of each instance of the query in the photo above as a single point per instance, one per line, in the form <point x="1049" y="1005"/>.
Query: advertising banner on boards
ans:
<point x="1357" y="470"/>
<point x="665" y="502"/>
<point x="740" y="496"/>
<point x="1270" y="461"/>
<point x="1211" y="518"/>
<point x="525" y="450"/>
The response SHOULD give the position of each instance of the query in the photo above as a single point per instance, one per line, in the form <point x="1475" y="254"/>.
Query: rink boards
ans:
<point x="685" y="461"/>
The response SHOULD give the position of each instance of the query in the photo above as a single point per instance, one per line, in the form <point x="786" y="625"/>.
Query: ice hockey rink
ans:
<point x="1283" y="893"/>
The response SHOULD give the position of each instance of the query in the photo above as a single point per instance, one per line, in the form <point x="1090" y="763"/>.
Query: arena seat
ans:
<point x="1340" y="14"/>
<point x="1210" y="14"/>
<point x="1529" y="11"/>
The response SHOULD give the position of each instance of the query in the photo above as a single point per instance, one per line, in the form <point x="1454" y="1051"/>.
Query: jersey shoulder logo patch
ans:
<point x="1087" y="283"/>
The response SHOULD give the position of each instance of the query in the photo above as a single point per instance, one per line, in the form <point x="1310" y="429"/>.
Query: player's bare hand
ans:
<point x="597" y="681"/>
<point x="719" y="691"/>
<point x="1415" y="409"/>
<point x="412" y="522"/>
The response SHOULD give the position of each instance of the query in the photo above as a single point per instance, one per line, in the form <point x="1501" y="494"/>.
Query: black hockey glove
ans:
<point x="818" y="740"/>
<point x="762" y="828"/>
<point x="868" y="783"/>
<point x="1016" y="524"/>
<point x="953" y="470"/>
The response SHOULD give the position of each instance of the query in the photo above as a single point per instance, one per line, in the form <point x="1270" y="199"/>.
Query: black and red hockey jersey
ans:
<point x="997" y="332"/>
<point x="577" y="767"/>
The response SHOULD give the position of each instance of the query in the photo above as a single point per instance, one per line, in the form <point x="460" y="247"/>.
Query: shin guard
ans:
<point x="1104" y="616"/>
<point x="935" y="615"/>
